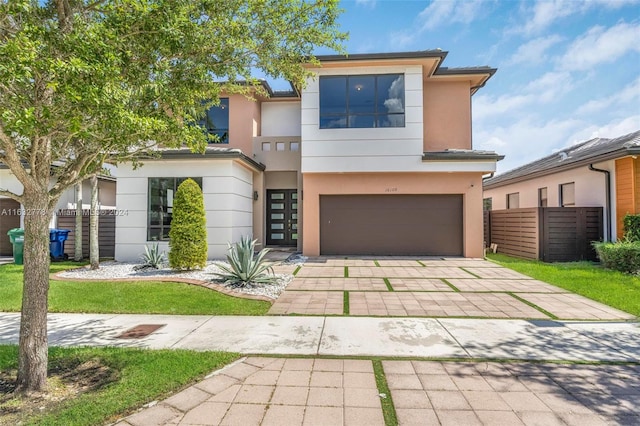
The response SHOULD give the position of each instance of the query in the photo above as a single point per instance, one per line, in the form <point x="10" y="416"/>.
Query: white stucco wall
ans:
<point x="227" y="187"/>
<point x="589" y="189"/>
<point x="280" y="118"/>
<point x="364" y="150"/>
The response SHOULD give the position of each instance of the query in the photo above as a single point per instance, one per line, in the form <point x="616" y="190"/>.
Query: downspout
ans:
<point x="607" y="197"/>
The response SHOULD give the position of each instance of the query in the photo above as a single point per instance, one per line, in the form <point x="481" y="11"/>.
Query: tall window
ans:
<point x="568" y="194"/>
<point x="542" y="197"/>
<point x="160" y="206"/>
<point x="487" y="204"/>
<point x="513" y="200"/>
<point x="362" y="101"/>
<point x="216" y="122"/>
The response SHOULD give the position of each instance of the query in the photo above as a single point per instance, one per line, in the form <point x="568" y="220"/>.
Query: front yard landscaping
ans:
<point x="132" y="297"/>
<point x="91" y="386"/>
<point x="616" y="289"/>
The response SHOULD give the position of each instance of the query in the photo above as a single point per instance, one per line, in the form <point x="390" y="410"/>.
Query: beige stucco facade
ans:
<point x="283" y="134"/>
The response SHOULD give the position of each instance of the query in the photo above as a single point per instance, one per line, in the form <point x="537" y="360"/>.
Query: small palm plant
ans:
<point x="245" y="267"/>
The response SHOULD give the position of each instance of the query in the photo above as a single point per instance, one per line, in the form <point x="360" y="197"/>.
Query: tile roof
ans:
<point x="580" y="154"/>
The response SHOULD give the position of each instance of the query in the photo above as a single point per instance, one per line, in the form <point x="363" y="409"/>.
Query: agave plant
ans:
<point x="245" y="267"/>
<point x="152" y="257"/>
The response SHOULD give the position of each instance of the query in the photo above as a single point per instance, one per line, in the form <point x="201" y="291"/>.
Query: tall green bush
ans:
<point x="188" y="234"/>
<point x="631" y="224"/>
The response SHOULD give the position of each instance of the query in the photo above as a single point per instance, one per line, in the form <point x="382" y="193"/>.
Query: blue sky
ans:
<point x="568" y="71"/>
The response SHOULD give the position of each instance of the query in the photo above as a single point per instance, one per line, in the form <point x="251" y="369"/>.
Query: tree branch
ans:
<point x="6" y="193"/>
<point x="11" y="158"/>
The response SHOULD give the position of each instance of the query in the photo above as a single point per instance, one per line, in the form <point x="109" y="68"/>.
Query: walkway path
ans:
<point x="345" y="336"/>
<point x="278" y="391"/>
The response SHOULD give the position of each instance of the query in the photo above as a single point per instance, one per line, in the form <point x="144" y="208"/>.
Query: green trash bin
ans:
<point x="16" y="236"/>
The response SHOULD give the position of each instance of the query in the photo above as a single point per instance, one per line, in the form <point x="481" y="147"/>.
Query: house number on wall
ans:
<point x="394" y="189"/>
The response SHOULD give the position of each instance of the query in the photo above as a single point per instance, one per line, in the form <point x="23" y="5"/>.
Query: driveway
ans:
<point x="449" y="287"/>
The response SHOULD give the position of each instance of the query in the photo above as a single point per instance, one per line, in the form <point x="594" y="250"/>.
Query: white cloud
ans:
<point x="525" y="140"/>
<point x="550" y="86"/>
<point x="600" y="45"/>
<point x="534" y="51"/>
<point x="366" y="3"/>
<point x="615" y="128"/>
<point x="628" y="95"/>
<point x="439" y="13"/>
<point x="545" y="89"/>
<point x="545" y="12"/>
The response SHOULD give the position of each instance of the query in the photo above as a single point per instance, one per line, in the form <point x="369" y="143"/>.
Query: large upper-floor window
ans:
<point x="362" y="101"/>
<point x="216" y="122"/>
<point x="160" y="207"/>
<point x="513" y="200"/>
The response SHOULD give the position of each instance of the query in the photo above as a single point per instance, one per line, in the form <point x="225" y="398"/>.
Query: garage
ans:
<point x="9" y="219"/>
<point x="391" y="225"/>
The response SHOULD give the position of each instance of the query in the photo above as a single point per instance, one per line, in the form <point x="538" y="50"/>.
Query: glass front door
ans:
<point x="282" y="217"/>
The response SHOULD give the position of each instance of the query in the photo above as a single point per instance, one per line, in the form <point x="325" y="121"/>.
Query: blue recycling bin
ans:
<point x="57" y="237"/>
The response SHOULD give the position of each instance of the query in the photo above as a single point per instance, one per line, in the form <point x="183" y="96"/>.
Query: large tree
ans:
<point x="83" y="81"/>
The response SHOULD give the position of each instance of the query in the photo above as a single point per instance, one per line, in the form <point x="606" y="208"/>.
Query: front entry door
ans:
<point x="282" y="217"/>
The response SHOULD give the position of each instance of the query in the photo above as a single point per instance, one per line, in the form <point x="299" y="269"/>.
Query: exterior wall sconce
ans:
<point x="255" y="195"/>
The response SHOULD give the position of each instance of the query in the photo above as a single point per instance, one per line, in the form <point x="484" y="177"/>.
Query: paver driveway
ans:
<point x="442" y="287"/>
<point x="278" y="391"/>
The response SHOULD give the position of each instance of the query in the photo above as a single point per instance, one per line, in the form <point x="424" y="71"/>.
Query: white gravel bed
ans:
<point x="115" y="270"/>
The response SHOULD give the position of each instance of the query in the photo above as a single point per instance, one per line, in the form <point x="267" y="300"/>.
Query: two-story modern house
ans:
<point x="372" y="157"/>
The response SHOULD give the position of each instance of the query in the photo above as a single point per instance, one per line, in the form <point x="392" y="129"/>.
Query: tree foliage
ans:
<point x="188" y="233"/>
<point x="84" y="81"/>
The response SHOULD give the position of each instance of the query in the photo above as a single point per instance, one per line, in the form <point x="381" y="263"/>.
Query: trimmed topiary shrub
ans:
<point x="188" y="234"/>
<point x="622" y="256"/>
<point x="631" y="227"/>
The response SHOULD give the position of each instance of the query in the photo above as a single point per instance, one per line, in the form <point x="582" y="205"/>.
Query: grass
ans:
<point x="128" y="378"/>
<point x="388" y="409"/>
<point x="618" y="290"/>
<point x="137" y="297"/>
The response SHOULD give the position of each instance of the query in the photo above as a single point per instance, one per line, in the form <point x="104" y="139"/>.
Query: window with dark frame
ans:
<point x="160" y="205"/>
<point x="216" y="121"/>
<point x="513" y="200"/>
<point x="362" y="101"/>
<point x="568" y="194"/>
<point x="542" y="197"/>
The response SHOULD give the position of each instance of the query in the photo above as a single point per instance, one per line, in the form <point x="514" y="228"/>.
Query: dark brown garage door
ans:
<point x="391" y="225"/>
<point x="9" y="219"/>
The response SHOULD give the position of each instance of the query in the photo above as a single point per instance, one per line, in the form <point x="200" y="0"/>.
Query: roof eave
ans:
<point x="184" y="154"/>
<point x="619" y="153"/>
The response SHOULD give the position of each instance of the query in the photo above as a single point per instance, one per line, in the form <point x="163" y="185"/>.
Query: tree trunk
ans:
<point x="33" y="356"/>
<point x="78" y="229"/>
<point x="94" y="246"/>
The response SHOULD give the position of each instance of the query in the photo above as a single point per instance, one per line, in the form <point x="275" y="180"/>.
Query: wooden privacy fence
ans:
<point x="550" y="234"/>
<point x="106" y="232"/>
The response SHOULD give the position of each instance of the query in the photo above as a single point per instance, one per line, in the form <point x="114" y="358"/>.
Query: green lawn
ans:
<point x="142" y="297"/>
<point x="127" y="379"/>
<point x="588" y="279"/>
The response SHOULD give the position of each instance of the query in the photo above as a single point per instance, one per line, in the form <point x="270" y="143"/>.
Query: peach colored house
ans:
<point x="373" y="157"/>
<point x="595" y="173"/>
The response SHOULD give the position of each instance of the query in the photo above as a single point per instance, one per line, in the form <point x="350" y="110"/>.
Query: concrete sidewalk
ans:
<point x="351" y="336"/>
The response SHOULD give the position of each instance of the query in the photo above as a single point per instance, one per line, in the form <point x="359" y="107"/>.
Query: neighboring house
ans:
<point x="595" y="173"/>
<point x="373" y="157"/>
<point x="11" y="212"/>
